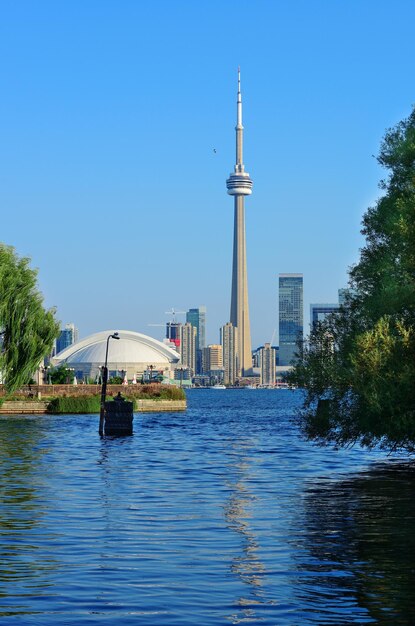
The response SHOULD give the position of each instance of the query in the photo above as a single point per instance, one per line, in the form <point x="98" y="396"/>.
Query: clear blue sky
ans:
<point x="109" y="114"/>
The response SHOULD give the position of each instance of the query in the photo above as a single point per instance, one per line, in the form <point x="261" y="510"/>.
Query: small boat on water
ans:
<point x="218" y="387"/>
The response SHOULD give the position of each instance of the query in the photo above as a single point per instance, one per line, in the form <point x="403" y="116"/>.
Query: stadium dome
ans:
<point x="132" y="353"/>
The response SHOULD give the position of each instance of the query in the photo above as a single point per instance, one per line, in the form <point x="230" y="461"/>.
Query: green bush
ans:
<point x="79" y="404"/>
<point x="160" y="392"/>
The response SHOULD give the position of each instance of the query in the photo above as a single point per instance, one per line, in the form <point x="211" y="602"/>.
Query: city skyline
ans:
<point x="114" y="150"/>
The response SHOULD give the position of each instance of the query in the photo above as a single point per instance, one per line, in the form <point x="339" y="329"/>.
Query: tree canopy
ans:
<point x="27" y="329"/>
<point x="358" y="367"/>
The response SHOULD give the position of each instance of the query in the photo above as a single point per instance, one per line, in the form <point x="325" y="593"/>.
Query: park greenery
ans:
<point x="61" y="375"/>
<point x="91" y="403"/>
<point x="358" y="366"/>
<point x="27" y="328"/>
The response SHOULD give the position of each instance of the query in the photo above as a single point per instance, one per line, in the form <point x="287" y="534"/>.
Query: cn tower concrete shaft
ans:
<point x="239" y="185"/>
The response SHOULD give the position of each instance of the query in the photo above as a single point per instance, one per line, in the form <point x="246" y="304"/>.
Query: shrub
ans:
<point x="79" y="404"/>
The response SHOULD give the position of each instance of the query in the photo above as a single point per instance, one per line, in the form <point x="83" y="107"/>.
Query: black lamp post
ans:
<point x="104" y="385"/>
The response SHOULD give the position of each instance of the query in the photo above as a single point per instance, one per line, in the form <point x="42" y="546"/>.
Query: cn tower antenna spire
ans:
<point x="239" y="167"/>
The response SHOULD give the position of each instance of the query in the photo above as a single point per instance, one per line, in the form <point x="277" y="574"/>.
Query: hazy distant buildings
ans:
<point x="239" y="185"/>
<point x="67" y="337"/>
<point x="318" y="312"/>
<point x="229" y="341"/>
<point x="290" y="296"/>
<point x="267" y="364"/>
<point x="197" y="318"/>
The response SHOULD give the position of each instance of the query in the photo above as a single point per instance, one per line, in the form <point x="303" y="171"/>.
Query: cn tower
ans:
<point x="239" y="185"/>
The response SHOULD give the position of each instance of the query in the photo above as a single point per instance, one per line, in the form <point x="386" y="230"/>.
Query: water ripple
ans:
<point x="220" y="515"/>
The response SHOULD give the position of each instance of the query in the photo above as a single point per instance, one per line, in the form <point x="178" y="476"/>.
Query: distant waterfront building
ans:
<point x="197" y="318"/>
<point x="67" y="337"/>
<point x="291" y="324"/>
<point x="267" y="358"/>
<point x="229" y="341"/>
<point x="318" y="312"/>
<point x="187" y="348"/>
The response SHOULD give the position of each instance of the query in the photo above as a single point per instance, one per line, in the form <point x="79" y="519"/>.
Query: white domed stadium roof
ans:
<point x="130" y="348"/>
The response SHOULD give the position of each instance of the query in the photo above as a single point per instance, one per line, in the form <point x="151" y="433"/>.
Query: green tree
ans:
<point x="358" y="367"/>
<point x="62" y="375"/>
<point x="28" y="330"/>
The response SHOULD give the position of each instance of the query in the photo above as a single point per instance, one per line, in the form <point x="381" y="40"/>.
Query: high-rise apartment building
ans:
<point x="229" y="341"/>
<point x="197" y="318"/>
<point x="187" y="347"/>
<point x="212" y="358"/>
<point x="267" y="360"/>
<point x="290" y="316"/>
<point x="318" y="312"/>
<point x="67" y="337"/>
<point x="239" y="185"/>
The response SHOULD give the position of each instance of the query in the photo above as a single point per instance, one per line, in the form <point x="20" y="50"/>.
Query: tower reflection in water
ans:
<point x="238" y="512"/>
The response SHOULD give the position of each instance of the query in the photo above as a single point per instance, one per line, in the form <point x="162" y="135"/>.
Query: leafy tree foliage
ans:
<point x="358" y="367"/>
<point x="28" y="330"/>
<point x="62" y="375"/>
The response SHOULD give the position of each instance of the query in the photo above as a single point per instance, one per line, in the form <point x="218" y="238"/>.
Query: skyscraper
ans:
<point x="229" y="341"/>
<point x="187" y="334"/>
<point x="290" y="315"/>
<point x="67" y="337"/>
<point x="267" y="365"/>
<point x="239" y="185"/>
<point x="197" y="318"/>
<point x="173" y="333"/>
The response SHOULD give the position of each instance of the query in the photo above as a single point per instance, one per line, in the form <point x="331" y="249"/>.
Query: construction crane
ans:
<point x="173" y="313"/>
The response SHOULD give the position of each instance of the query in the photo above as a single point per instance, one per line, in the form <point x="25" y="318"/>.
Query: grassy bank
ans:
<point x="91" y="403"/>
<point x="80" y="404"/>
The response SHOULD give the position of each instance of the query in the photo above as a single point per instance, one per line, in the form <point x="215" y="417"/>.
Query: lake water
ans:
<point x="219" y="515"/>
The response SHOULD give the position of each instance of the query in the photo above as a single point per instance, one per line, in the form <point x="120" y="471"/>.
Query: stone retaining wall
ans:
<point x="26" y="407"/>
<point x="156" y="406"/>
<point x="14" y="407"/>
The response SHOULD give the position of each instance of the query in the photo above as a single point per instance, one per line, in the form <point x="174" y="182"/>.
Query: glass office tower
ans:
<point x="197" y="318"/>
<point x="67" y="337"/>
<point x="290" y="316"/>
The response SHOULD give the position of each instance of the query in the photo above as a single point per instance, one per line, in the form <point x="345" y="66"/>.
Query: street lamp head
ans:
<point x="115" y="336"/>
